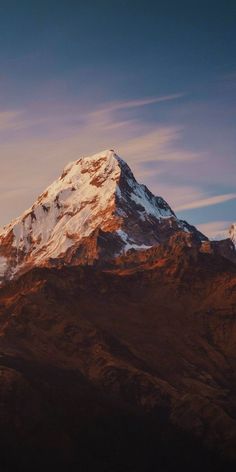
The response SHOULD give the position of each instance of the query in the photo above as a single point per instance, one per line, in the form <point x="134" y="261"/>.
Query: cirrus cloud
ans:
<point x="204" y="202"/>
<point x="215" y="229"/>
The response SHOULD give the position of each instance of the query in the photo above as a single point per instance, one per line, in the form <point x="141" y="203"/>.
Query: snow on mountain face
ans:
<point x="96" y="199"/>
<point x="232" y="233"/>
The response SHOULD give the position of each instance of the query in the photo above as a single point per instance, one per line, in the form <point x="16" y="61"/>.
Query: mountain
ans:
<point x="232" y="233"/>
<point x="95" y="210"/>
<point x="131" y="368"/>
<point x="117" y="332"/>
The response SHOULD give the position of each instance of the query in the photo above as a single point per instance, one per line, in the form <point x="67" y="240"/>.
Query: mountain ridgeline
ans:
<point x="117" y="331"/>
<point x="95" y="210"/>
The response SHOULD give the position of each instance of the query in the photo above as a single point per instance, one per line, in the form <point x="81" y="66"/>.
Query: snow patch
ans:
<point x="149" y="204"/>
<point x="232" y="233"/>
<point x="3" y="266"/>
<point x="128" y="243"/>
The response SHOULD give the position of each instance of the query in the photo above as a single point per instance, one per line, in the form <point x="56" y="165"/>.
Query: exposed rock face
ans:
<point x="117" y="332"/>
<point x="138" y="358"/>
<point x="95" y="209"/>
<point x="224" y="248"/>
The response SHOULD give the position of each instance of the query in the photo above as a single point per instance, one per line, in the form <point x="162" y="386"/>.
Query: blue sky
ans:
<point x="154" y="80"/>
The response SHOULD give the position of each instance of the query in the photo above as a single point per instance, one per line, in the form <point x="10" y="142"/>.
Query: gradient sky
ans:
<point x="155" y="80"/>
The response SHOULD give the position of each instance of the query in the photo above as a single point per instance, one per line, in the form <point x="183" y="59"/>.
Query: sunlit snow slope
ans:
<point x="96" y="200"/>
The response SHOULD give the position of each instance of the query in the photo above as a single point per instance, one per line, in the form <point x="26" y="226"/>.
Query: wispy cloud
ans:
<point x="39" y="142"/>
<point x="215" y="229"/>
<point x="159" y="144"/>
<point x="204" y="202"/>
<point x="9" y="119"/>
<point x="81" y="132"/>
<point x="125" y="104"/>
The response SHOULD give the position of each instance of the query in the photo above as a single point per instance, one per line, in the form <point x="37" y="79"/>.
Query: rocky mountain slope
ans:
<point x="95" y="210"/>
<point x="127" y="368"/>
<point x="117" y="332"/>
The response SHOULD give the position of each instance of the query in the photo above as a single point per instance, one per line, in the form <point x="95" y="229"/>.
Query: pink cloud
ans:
<point x="215" y="229"/>
<point x="30" y="159"/>
<point x="205" y="202"/>
<point x="9" y="119"/>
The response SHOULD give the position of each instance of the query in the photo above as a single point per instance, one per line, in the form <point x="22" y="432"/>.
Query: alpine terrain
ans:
<point x="117" y="331"/>
<point x="232" y="233"/>
<point x="95" y="210"/>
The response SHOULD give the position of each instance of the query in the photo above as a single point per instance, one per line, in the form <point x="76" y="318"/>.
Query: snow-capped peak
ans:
<point x="96" y="199"/>
<point x="232" y="233"/>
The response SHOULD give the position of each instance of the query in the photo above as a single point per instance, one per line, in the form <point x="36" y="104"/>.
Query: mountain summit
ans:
<point x="232" y="233"/>
<point x="120" y="344"/>
<point x="96" y="209"/>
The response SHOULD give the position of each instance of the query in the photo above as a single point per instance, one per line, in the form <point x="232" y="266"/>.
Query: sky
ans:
<point x="154" y="80"/>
